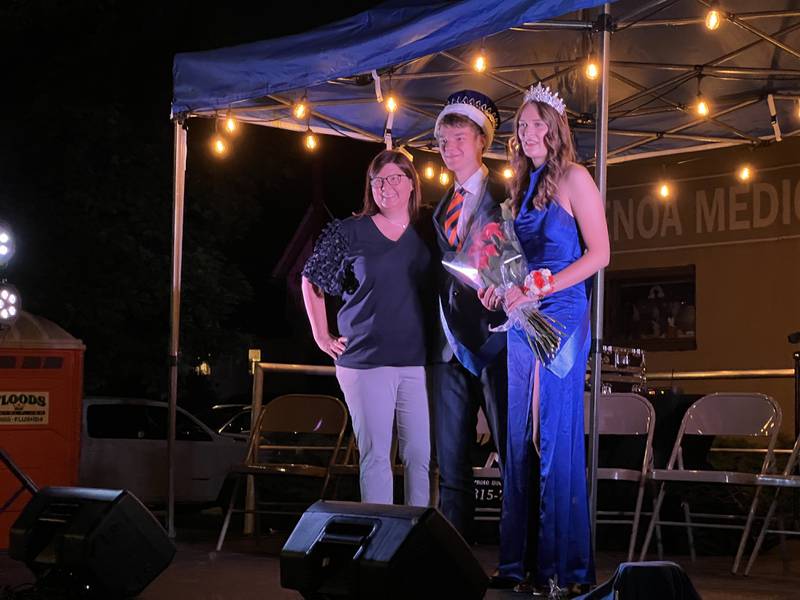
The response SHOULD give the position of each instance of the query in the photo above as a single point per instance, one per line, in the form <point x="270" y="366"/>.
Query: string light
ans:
<point x="745" y="173"/>
<point x="219" y="146"/>
<point x="6" y="243"/>
<point x="798" y="108"/>
<point x="701" y="107"/>
<point x="391" y="103"/>
<point x="428" y="172"/>
<point x="230" y="124"/>
<point x="592" y="70"/>
<point x="444" y="177"/>
<point x="664" y="190"/>
<point x="480" y="63"/>
<point x="300" y="108"/>
<point x="310" y="140"/>
<point x="713" y="17"/>
<point x="508" y="172"/>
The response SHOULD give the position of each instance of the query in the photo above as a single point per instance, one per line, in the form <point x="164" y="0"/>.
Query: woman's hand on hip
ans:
<point x="332" y="346"/>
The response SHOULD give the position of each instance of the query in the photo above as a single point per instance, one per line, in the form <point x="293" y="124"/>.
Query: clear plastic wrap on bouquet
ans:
<point x="491" y="254"/>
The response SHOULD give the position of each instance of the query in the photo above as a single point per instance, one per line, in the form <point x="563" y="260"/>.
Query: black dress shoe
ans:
<point x="498" y="582"/>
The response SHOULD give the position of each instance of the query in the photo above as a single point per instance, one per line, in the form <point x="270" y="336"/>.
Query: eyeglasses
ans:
<point x="392" y="180"/>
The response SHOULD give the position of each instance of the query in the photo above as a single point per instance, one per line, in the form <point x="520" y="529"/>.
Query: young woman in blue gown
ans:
<point x="560" y="222"/>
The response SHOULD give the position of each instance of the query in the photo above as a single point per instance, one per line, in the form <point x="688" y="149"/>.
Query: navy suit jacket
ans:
<point x="464" y="321"/>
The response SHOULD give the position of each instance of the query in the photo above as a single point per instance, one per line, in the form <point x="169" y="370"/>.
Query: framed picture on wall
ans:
<point x="652" y="309"/>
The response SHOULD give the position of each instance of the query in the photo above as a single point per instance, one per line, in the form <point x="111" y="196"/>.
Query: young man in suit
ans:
<point x="469" y="368"/>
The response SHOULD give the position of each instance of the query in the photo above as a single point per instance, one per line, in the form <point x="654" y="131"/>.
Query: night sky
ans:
<point x="86" y="183"/>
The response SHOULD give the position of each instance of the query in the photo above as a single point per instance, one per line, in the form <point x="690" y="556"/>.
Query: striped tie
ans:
<point x="451" y="217"/>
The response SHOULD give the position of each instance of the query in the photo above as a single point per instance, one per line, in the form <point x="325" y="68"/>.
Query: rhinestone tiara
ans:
<point x="542" y="93"/>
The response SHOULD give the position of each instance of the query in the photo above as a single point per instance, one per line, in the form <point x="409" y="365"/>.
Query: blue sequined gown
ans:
<point x="544" y="527"/>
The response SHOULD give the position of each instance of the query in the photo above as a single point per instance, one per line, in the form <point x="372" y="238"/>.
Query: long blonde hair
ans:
<point x="560" y="154"/>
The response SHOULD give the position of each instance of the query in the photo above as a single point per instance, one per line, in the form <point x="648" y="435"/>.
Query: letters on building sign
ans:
<point x="706" y="211"/>
<point x="24" y="408"/>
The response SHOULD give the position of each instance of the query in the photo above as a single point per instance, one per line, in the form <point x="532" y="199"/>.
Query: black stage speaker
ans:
<point x="354" y="550"/>
<point x="90" y="542"/>
<point x="656" y="580"/>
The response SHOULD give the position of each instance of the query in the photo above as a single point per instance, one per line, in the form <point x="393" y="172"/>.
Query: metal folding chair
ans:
<point x="626" y="414"/>
<point x="296" y="434"/>
<point x="730" y="414"/>
<point x="785" y="479"/>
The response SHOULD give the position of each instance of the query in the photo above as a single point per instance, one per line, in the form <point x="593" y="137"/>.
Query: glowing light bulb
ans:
<point x="391" y="104"/>
<point x="702" y="107"/>
<point x="4" y="238"/>
<point x="219" y="146"/>
<point x="429" y="172"/>
<point x="444" y="178"/>
<point x="713" y="19"/>
<point x="664" y="190"/>
<point x="311" y="141"/>
<point x="745" y="173"/>
<point x="798" y="109"/>
<point x="230" y="125"/>
<point x="592" y="70"/>
<point x="508" y="172"/>
<point x="480" y="63"/>
<point x="300" y="110"/>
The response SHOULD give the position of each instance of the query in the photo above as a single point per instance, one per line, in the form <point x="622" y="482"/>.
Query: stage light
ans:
<point x="592" y="70"/>
<point x="429" y="171"/>
<point x="219" y="146"/>
<point x="6" y="243"/>
<point x="701" y="107"/>
<point x="310" y="140"/>
<point x="713" y="17"/>
<point x="444" y="177"/>
<point x="300" y="109"/>
<point x="10" y="304"/>
<point x="230" y="125"/>
<point x="745" y="173"/>
<point x="391" y="103"/>
<point x="508" y="172"/>
<point x="664" y="190"/>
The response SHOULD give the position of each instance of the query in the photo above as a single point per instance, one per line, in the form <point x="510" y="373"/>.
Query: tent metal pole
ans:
<point x="364" y="132"/>
<point x="640" y="12"/>
<point x="680" y="128"/>
<point x="750" y="16"/>
<point x="598" y="286"/>
<point x="693" y="72"/>
<point x="677" y="106"/>
<point x="733" y="18"/>
<point x="708" y="70"/>
<point x="175" y="311"/>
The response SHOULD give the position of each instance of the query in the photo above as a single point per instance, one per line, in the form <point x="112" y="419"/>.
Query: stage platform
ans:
<point x="248" y="569"/>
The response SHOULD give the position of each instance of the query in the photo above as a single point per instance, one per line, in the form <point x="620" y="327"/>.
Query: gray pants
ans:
<point x="375" y="397"/>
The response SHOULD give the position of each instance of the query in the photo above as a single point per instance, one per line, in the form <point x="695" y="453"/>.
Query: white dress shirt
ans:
<point x="474" y="187"/>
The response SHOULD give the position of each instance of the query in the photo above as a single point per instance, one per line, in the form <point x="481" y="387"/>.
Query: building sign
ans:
<point x="706" y="211"/>
<point x="24" y="408"/>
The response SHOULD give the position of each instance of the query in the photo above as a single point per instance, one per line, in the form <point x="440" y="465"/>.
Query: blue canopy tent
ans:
<point x="640" y="106"/>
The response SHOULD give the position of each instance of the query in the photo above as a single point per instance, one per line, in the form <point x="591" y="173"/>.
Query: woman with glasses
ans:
<point x="379" y="264"/>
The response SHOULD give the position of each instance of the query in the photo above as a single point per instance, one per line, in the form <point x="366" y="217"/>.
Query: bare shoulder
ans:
<point x="577" y="175"/>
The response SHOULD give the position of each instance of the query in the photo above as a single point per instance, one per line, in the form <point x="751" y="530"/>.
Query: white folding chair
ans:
<point x="785" y="479"/>
<point x="625" y="414"/>
<point x="732" y="414"/>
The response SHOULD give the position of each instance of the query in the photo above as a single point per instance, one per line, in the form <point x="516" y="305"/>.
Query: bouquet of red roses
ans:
<point x="492" y="255"/>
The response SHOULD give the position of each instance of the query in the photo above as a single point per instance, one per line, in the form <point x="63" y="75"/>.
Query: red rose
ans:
<point x="490" y="250"/>
<point x="538" y="280"/>
<point x="492" y="229"/>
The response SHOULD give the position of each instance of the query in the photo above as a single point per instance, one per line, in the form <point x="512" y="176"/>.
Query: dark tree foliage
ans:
<point x="86" y="182"/>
